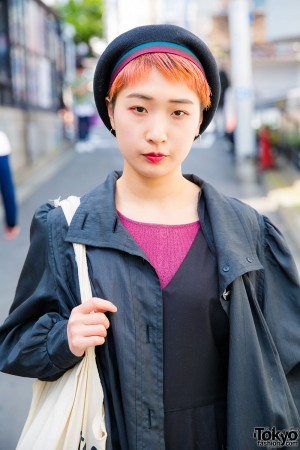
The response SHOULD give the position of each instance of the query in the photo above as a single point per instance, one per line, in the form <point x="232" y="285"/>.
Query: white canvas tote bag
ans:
<point x="68" y="414"/>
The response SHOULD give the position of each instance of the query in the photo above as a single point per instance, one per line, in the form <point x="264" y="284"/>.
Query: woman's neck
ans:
<point x="170" y="200"/>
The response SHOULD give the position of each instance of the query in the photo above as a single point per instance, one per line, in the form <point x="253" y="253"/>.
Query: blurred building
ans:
<point x="32" y="71"/>
<point x="275" y="45"/>
<point x="122" y="15"/>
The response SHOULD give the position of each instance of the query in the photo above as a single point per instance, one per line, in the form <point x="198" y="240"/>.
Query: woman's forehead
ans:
<point x="155" y="84"/>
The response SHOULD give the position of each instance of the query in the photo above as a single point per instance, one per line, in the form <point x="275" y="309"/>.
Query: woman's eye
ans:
<point x="179" y="113"/>
<point x="139" y="109"/>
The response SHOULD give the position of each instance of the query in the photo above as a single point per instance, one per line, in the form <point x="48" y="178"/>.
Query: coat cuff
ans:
<point x="58" y="347"/>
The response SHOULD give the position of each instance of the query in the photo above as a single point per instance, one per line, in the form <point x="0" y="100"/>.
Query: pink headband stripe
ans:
<point x="156" y="48"/>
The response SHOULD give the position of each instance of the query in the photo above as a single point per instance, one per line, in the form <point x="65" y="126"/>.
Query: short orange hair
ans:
<point x="173" y="67"/>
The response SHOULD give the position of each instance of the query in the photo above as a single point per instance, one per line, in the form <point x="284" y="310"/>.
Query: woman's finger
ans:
<point x="94" y="330"/>
<point x="97" y="304"/>
<point x="96" y="319"/>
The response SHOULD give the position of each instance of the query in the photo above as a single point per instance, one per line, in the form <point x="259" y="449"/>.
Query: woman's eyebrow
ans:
<point x="142" y="96"/>
<point x="147" y="97"/>
<point x="182" y="100"/>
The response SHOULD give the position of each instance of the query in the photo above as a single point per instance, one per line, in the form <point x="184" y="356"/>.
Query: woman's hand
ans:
<point x="87" y="325"/>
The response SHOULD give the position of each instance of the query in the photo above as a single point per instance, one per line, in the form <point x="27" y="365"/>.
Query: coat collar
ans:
<point x="231" y="227"/>
<point x="96" y="221"/>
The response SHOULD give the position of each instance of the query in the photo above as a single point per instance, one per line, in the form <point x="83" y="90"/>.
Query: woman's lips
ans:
<point x="154" y="157"/>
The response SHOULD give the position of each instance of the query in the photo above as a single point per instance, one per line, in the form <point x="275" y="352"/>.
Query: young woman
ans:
<point x="196" y="297"/>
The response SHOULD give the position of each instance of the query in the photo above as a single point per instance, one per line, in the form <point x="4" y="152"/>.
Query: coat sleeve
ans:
<point x="281" y="305"/>
<point x="33" y="338"/>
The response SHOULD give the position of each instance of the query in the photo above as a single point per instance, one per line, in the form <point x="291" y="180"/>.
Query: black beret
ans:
<point x="153" y="33"/>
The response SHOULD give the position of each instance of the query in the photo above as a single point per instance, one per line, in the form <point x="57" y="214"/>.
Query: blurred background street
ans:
<point x="59" y="147"/>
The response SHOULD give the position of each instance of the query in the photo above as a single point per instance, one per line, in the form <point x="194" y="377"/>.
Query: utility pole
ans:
<point x="241" y="69"/>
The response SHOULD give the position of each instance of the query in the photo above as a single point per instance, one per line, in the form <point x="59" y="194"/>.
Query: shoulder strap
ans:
<point x="69" y="207"/>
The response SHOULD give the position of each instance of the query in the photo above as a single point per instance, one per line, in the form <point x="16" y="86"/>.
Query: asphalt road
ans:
<point x="75" y="174"/>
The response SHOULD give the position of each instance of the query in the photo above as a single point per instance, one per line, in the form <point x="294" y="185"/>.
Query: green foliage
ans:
<point x="84" y="15"/>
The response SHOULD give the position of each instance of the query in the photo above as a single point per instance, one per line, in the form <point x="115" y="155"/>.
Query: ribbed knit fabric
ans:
<point x="166" y="246"/>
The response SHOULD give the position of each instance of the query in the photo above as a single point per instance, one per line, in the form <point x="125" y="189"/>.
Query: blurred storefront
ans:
<point x="32" y="73"/>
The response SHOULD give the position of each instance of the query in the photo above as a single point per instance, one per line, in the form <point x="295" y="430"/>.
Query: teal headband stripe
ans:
<point x="148" y="45"/>
<point x="154" y="47"/>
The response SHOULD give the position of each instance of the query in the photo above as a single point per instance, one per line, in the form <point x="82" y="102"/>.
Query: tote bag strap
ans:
<point x="69" y="207"/>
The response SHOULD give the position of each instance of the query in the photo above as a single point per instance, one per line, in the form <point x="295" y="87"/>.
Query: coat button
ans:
<point x="226" y="269"/>
<point x="225" y="295"/>
<point x="250" y="260"/>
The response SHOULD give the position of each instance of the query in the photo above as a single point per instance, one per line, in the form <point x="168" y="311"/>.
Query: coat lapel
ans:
<point x="233" y="230"/>
<point x="96" y="221"/>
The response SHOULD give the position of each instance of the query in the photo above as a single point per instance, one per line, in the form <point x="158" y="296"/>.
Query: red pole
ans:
<point x="266" y="160"/>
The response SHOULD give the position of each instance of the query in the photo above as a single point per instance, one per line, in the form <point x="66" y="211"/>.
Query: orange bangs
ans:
<point x="172" y="67"/>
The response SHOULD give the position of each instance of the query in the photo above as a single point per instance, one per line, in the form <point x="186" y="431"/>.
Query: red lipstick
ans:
<point x="154" y="157"/>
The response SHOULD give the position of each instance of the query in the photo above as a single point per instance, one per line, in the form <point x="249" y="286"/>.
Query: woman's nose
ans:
<point x="157" y="130"/>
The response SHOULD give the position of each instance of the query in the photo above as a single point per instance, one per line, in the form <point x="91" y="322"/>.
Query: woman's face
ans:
<point x="156" y="121"/>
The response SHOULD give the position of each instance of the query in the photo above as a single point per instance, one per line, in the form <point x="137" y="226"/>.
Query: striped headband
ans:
<point x="154" y="47"/>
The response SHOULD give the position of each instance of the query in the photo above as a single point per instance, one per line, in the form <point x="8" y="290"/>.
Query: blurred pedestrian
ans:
<point x="83" y="107"/>
<point x="220" y="116"/>
<point x="11" y="229"/>
<point x="230" y="117"/>
<point x="196" y="299"/>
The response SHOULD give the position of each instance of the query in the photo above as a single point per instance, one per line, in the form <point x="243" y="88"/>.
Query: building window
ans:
<point x="5" y="79"/>
<point x="31" y="55"/>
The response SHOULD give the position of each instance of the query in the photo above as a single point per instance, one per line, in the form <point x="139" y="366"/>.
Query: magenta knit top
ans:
<point x="166" y="246"/>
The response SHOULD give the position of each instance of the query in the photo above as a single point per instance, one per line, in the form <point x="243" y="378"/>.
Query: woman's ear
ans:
<point x="110" y="110"/>
<point x="199" y="125"/>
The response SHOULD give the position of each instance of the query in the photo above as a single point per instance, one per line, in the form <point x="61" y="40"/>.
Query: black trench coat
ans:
<point x="259" y="289"/>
